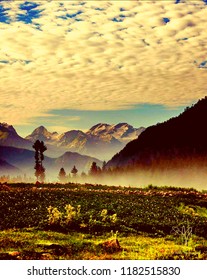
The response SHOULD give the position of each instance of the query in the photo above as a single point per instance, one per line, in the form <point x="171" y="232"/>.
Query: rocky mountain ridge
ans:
<point x="9" y="137"/>
<point x="101" y="140"/>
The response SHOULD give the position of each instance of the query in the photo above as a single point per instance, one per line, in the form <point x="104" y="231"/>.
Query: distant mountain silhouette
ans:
<point x="24" y="161"/>
<point x="100" y="141"/>
<point x="6" y="168"/>
<point x="180" y="141"/>
<point x="21" y="158"/>
<point x="82" y="162"/>
<point x="9" y="137"/>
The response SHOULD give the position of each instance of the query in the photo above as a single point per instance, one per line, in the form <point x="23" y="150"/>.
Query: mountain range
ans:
<point x="73" y="147"/>
<point x="100" y="141"/>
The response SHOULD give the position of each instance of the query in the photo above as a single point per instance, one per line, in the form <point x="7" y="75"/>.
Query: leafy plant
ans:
<point x="71" y="213"/>
<point x="54" y="216"/>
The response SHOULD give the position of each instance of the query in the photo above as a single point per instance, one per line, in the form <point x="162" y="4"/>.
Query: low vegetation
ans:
<point x="73" y="221"/>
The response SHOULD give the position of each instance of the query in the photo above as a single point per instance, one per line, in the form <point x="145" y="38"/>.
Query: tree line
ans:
<point x="93" y="171"/>
<point x="40" y="148"/>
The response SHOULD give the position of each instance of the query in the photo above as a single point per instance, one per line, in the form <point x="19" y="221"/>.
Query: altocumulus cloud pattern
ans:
<point x="94" y="55"/>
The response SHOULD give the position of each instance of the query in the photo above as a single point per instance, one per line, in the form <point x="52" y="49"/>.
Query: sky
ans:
<point x="71" y="64"/>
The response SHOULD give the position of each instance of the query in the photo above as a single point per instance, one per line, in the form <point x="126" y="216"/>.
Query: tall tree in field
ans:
<point x="74" y="171"/>
<point x="62" y="175"/>
<point x="40" y="148"/>
<point x="94" y="169"/>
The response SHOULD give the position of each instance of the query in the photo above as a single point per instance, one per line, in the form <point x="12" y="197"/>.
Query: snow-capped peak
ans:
<point x="43" y="134"/>
<point x="98" y="128"/>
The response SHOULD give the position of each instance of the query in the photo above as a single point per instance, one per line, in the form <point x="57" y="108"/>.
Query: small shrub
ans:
<point x="54" y="216"/>
<point x="184" y="233"/>
<point x="113" y="218"/>
<point x="73" y="219"/>
<point x="71" y="214"/>
<point x="104" y="215"/>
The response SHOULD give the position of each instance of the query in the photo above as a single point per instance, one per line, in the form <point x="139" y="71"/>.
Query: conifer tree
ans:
<point x="40" y="148"/>
<point x="94" y="169"/>
<point x="74" y="171"/>
<point x="62" y="175"/>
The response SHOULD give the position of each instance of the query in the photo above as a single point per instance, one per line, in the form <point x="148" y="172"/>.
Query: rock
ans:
<point x="57" y="249"/>
<point x="201" y="248"/>
<point x="112" y="245"/>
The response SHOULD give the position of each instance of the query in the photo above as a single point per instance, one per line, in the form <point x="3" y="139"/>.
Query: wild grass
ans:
<point x="36" y="244"/>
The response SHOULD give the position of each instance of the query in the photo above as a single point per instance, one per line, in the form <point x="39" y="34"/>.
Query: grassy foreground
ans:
<point x="48" y="245"/>
<point x="76" y="221"/>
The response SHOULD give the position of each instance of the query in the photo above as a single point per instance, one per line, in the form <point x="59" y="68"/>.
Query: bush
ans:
<point x="72" y="219"/>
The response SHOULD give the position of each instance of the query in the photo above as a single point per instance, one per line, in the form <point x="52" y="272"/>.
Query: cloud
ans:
<point x="75" y="56"/>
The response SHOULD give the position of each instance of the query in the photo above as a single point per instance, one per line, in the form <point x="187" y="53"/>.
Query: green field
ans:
<point x="73" y="221"/>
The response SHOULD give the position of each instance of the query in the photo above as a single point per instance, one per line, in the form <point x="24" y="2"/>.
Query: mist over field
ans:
<point x="187" y="178"/>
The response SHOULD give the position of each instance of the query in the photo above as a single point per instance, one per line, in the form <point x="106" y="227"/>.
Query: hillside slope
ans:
<point x="180" y="140"/>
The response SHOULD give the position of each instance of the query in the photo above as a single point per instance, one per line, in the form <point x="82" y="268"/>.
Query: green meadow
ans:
<point x="74" y="221"/>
